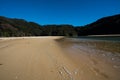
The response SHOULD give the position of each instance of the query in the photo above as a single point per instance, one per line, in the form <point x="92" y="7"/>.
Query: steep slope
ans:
<point x="18" y="27"/>
<point x="106" y="25"/>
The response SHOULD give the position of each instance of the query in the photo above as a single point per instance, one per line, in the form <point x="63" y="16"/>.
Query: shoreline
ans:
<point x="33" y="37"/>
<point x="106" y="35"/>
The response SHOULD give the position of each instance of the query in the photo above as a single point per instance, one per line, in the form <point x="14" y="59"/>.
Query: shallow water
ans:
<point x="108" y="48"/>
<point x="105" y="38"/>
<point x="101" y="58"/>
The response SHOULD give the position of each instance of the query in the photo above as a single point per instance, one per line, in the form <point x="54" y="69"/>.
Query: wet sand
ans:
<point x="44" y="58"/>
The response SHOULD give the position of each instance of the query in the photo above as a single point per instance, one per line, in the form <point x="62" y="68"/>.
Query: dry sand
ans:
<point x="42" y="58"/>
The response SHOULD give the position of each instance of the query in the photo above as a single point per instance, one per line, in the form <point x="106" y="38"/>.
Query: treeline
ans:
<point x="19" y="27"/>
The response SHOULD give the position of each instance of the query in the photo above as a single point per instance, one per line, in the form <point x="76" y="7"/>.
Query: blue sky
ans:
<point x="74" y="12"/>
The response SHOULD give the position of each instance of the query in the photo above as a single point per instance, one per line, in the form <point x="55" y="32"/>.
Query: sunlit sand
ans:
<point x="44" y="58"/>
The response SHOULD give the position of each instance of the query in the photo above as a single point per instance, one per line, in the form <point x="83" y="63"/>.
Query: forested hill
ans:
<point x="106" y="25"/>
<point x="20" y="27"/>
